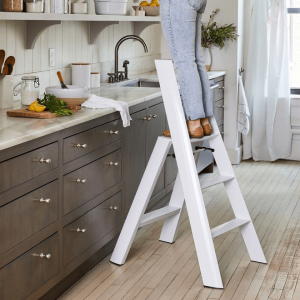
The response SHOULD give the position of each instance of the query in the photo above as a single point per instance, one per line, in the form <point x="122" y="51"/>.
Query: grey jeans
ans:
<point x="181" y="24"/>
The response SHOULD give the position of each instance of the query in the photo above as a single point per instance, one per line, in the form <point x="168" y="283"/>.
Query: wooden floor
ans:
<point x="156" y="270"/>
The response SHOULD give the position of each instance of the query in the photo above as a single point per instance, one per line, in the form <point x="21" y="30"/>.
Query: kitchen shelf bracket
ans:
<point x="139" y="27"/>
<point x="34" y="29"/>
<point x="97" y="27"/>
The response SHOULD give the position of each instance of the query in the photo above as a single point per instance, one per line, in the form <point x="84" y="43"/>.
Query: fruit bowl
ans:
<point x="149" y="10"/>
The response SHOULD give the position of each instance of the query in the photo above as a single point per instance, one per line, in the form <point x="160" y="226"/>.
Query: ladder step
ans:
<point x="228" y="226"/>
<point x="205" y="138"/>
<point x="159" y="214"/>
<point x="219" y="179"/>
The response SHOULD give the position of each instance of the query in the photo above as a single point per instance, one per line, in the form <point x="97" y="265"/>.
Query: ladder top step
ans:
<point x="159" y="214"/>
<point x="205" y="138"/>
<point x="211" y="182"/>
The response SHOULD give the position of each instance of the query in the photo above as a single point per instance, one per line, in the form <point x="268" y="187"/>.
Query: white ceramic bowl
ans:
<point x="74" y="95"/>
<point x="116" y="7"/>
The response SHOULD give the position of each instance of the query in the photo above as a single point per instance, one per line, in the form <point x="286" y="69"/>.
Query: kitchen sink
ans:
<point x="139" y="83"/>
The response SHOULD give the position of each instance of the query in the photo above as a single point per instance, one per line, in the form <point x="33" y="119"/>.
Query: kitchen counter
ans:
<point x="14" y="131"/>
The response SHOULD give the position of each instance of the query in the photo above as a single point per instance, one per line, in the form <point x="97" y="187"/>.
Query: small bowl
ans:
<point x="152" y="11"/>
<point x="74" y="95"/>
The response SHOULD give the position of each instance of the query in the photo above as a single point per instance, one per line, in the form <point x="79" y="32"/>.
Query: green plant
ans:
<point x="55" y="106"/>
<point x="215" y="36"/>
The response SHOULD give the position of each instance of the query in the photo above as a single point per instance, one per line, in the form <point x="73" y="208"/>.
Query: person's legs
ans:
<point x="178" y="20"/>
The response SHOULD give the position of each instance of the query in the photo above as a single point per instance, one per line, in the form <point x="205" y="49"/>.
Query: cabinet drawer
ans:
<point x="84" y="232"/>
<point x="29" y="272"/>
<point x="27" y="166"/>
<point x="219" y="111"/>
<point x="219" y="92"/>
<point x="90" y="140"/>
<point x="91" y="180"/>
<point x="28" y="215"/>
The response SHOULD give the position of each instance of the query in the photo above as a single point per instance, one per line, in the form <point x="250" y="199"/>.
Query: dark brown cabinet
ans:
<point x="30" y="271"/>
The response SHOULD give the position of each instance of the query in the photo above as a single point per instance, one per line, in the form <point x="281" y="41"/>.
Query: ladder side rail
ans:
<point x="188" y="174"/>
<point x="236" y="198"/>
<point x="141" y="200"/>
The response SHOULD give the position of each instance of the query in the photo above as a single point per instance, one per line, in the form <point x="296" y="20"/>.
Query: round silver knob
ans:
<point x="155" y="116"/>
<point x="47" y="160"/>
<point x="81" y="146"/>
<point x="45" y="200"/>
<point x="143" y="118"/>
<point x="81" y="230"/>
<point x="42" y="255"/>
<point x="113" y="207"/>
<point x="113" y="164"/>
<point x="114" y="132"/>
<point x="81" y="180"/>
<point x="222" y="87"/>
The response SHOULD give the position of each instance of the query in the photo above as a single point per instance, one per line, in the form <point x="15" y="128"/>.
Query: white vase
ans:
<point x="207" y="57"/>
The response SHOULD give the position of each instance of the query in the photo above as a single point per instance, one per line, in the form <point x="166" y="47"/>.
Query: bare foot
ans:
<point x="204" y="121"/>
<point x="192" y="125"/>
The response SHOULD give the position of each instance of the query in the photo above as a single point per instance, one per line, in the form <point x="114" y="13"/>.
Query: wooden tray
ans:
<point x="25" y="113"/>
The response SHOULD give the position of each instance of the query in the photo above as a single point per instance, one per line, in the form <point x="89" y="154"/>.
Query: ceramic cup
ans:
<point x="6" y="92"/>
<point x="95" y="80"/>
<point x="81" y="74"/>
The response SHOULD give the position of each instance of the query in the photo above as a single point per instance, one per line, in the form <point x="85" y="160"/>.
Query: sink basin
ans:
<point x="139" y="83"/>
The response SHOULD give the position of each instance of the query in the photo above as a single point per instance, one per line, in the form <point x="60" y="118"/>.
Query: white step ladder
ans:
<point x="187" y="190"/>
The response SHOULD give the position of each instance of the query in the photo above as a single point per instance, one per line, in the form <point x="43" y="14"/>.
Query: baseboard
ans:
<point x="235" y="155"/>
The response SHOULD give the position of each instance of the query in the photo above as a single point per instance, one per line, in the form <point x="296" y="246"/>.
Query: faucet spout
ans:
<point x="123" y="39"/>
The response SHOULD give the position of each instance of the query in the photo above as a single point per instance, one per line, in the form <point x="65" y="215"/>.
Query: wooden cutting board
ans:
<point x="25" y="113"/>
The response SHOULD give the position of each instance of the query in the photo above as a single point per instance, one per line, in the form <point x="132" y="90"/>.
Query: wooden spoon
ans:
<point x="7" y="70"/>
<point x="61" y="80"/>
<point x="2" y="57"/>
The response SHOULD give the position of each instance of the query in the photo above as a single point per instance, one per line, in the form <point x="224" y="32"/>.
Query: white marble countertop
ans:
<point x="15" y="131"/>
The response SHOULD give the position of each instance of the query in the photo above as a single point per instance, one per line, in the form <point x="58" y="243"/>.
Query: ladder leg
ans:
<point x="141" y="200"/>
<point x="189" y="177"/>
<point x="169" y="230"/>
<point x="236" y="198"/>
<point x="171" y="224"/>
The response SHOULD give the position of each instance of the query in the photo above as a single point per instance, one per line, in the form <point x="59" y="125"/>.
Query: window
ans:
<point x="294" y="36"/>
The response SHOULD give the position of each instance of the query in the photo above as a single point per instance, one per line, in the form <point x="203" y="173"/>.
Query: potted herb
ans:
<point x="215" y="36"/>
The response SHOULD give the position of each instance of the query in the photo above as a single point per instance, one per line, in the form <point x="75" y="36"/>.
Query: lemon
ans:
<point x="144" y="3"/>
<point x="155" y="2"/>
<point x="35" y="106"/>
<point x="39" y="107"/>
<point x="152" y="4"/>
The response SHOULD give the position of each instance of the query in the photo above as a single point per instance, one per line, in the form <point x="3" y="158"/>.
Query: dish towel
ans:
<point x="243" y="110"/>
<point x="95" y="101"/>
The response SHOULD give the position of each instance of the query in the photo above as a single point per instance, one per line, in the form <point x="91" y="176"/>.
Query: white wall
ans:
<point x="70" y="41"/>
<point x="230" y="59"/>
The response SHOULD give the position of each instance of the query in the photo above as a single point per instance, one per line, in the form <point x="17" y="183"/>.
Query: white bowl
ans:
<point x="110" y="8"/>
<point x="73" y="91"/>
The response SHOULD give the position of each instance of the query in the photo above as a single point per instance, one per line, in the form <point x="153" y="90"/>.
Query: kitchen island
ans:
<point x="67" y="186"/>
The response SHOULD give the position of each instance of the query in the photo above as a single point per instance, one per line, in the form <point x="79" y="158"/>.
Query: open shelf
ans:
<point x="72" y="17"/>
<point x="37" y="23"/>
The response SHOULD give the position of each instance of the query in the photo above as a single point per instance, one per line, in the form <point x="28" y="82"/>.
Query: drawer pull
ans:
<point x="219" y="106"/>
<point x="81" y="146"/>
<point x="42" y="255"/>
<point x="42" y="200"/>
<point x="143" y="118"/>
<point x="149" y="118"/>
<point x="155" y="116"/>
<point x="112" y="164"/>
<point x="81" y="230"/>
<point x="81" y="181"/>
<point x="43" y="160"/>
<point x="222" y="87"/>
<point x="114" y="132"/>
<point x="113" y="207"/>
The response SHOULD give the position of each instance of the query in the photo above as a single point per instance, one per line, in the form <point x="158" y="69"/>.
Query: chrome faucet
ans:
<point x="115" y="76"/>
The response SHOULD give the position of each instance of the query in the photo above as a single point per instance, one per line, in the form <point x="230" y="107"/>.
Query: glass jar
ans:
<point x="29" y="89"/>
<point x="34" y="6"/>
<point x="13" y="5"/>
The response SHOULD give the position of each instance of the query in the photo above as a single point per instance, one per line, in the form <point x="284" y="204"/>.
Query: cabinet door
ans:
<point x="134" y="157"/>
<point x="155" y="128"/>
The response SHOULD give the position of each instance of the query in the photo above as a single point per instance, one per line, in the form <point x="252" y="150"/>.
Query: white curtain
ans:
<point x="267" y="83"/>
